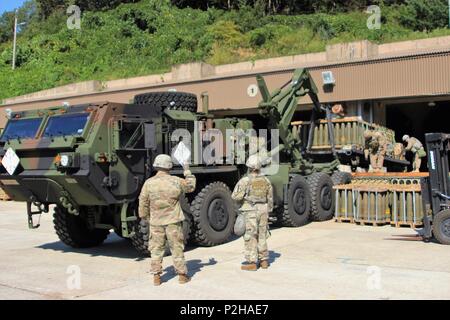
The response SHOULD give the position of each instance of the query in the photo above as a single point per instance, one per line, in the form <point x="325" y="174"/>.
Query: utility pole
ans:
<point x="15" y="41"/>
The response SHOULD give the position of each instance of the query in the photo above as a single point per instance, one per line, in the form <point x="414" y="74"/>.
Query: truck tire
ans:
<point x="73" y="231"/>
<point x="296" y="211"/>
<point x="171" y="100"/>
<point x="214" y="213"/>
<point x="339" y="178"/>
<point x="441" y="227"/>
<point x="322" y="196"/>
<point x="141" y="237"/>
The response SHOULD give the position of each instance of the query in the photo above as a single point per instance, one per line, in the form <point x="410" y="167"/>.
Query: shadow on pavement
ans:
<point x="193" y="267"/>
<point x="114" y="246"/>
<point x="273" y="256"/>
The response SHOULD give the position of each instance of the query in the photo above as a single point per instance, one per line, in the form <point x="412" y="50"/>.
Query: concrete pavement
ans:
<point x="319" y="261"/>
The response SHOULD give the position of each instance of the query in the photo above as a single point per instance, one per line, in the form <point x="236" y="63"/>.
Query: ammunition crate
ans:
<point x="381" y="198"/>
<point x="348" y="131"/>
<point x="345" y="204"/>
<point x="406" y="206"/>
<point x="372" y="206"/>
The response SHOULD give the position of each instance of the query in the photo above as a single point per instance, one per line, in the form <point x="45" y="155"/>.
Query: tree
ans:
<point x="25" y="14"/>
<point x="425" y="15"/>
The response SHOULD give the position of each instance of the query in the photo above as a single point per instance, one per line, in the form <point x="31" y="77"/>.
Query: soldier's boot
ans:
<point x="157" y="280"/>
<point x="264" y="264"/>
<point x="249" y="267"/>
<point x="182" y="279"/>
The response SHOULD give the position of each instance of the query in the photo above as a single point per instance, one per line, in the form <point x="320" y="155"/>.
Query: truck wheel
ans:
<point x="73" y="230"/>
<point x="214" y="213"/>
<point x="141" y="237"/>
<point x="441" y="227"/>
<point x="339" y="178"/>
<point x="297" y="210"/>
<point x="322" y="196"/>
<point x="187" y="223"/>
<point x="171" y="100"/>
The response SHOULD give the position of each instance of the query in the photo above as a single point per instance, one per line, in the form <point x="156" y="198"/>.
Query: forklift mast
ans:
<point x="436" y="188"/>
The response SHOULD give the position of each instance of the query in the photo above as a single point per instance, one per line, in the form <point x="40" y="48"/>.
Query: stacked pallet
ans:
<point x="381" y="199"/>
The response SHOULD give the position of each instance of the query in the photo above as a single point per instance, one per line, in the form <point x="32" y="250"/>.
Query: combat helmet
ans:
<point x="368" y="134"/>
<point x="163" y="161"/>
<point x="405" y="138"/>
<point x="254" y="162"/>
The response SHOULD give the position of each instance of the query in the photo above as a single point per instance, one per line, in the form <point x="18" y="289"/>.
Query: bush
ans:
<point x="425" y="15"/>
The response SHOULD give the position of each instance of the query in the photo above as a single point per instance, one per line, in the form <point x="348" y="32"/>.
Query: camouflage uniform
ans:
<point x="376" y="146"/>
<point x="159" y="202"/>
<point x="416" y="147"/>
<point x="255" y="191"/>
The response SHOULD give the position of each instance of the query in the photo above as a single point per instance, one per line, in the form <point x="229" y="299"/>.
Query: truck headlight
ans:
<point x="65" y="160"/>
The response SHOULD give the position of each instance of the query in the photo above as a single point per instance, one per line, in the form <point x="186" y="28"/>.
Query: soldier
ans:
<point x="376" y="147"/>
<point x="337" y="111"/>
<point x="159" y="202"/>
<point x="255" y="191"/>
<point x="416" y="147"/>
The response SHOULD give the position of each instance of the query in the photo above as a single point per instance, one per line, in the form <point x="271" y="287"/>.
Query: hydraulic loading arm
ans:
<point x="280" y="106"/>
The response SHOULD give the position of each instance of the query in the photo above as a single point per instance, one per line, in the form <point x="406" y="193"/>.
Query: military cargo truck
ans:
<point x="91" y="161"/>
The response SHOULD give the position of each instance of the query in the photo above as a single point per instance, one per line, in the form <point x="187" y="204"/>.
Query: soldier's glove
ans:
<point x="186" y="168"/>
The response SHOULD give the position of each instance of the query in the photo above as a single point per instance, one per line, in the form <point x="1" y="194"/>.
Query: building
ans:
<point x="403" y="85"/>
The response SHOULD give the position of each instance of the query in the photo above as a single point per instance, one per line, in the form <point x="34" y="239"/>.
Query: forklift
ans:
<point x="436" y="189"/>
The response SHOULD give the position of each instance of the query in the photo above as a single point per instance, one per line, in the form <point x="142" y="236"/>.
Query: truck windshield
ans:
<point x="21" y="129"/>
<point x="66" y="125"/>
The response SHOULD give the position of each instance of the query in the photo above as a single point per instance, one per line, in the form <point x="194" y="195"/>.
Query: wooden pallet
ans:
<point x="406" y="224"/>
<point x="345" y="220"/>
<point x="4" y="196"/>
<point x="371" y="223"/>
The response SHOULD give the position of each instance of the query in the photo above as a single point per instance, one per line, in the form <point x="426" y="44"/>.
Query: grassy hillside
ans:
<point x="150" y="36"/>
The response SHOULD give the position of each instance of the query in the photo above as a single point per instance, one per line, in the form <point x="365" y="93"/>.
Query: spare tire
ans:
<point x="182" y="101"/>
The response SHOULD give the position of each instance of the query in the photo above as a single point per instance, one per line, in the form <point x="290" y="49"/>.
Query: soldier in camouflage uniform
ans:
<point x="159" y="202"/>
<point x="255" y="191"/>
<point x="416" y="147"/>
<point x="376" y="146"/>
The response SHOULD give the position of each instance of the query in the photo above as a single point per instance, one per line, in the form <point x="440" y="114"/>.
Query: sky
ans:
<point x="9" y="5"/>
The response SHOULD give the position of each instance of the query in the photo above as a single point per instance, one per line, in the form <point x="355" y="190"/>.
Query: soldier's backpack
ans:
<point x="239" y="225"/>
